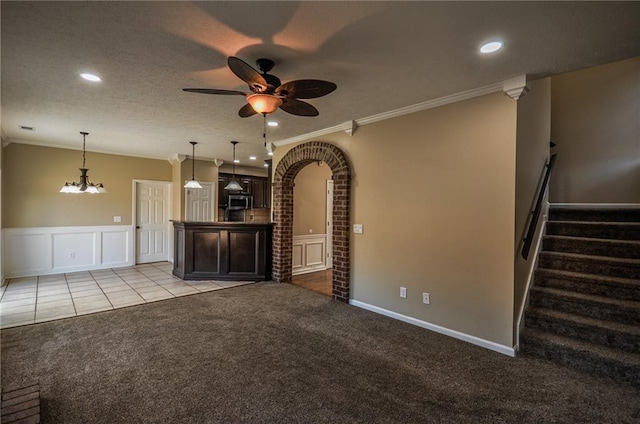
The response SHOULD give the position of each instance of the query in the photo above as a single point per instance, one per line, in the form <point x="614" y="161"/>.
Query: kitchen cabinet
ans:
<point x="254" y="185"/>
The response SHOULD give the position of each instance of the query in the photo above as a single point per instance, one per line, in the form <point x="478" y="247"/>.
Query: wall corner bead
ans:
<point x="218" y="162"/>
<point x="515" y="87"/>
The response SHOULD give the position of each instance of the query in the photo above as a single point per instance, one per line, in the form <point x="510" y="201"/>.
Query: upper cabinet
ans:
<point x="255" y="186"/>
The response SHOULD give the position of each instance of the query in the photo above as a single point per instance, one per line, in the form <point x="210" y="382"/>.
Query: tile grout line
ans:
<point x="151" y="279"/>
<point x="35" y="305"/>
<point x="102" y="290"/>
<point x="75" y="311"/>
<point x="132" y="288"/>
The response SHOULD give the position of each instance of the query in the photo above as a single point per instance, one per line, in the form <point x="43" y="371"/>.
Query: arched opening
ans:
<point x="312" y="229"/>
<point x="283" y="182"/>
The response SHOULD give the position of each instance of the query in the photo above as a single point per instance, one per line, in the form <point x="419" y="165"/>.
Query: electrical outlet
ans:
<point x="426" y="299"/>
<point x="358" y="229"/>
<point x="72" y="255"/>
<point x="403" y="292"/>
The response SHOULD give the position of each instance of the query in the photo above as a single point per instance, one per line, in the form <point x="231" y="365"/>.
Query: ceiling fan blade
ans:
<point x="246" y="73"/>
<point x="298" y="107"/>
<point x="306" y="89"/>
<point x="246" y="111"/>
<point x="213" y="91"/>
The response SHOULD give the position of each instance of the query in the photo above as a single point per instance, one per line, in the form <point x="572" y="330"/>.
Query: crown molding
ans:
<point x="515" y="87"/>
<point x="350" y="126"/>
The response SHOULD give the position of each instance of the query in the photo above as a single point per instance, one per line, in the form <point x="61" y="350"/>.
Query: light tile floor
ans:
<point x="31" y="300"/>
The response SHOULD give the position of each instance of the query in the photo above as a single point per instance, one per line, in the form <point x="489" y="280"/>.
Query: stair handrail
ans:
<point x="535" y="213"/>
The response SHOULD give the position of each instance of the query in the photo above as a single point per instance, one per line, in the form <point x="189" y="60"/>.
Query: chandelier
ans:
<point x="84" y="186"/>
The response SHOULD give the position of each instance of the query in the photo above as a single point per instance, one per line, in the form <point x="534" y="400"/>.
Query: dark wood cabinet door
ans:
<point x="258" y="190"/>
<point x="223" y="180"/>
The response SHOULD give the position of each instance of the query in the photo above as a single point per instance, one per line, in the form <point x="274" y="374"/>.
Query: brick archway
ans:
<point x="283" y="180"/>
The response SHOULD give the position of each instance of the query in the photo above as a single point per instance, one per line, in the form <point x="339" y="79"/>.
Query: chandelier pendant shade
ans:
<point x="84" y="185"/>
<point x="193" y="183"/>
<point x="233" y="184"/>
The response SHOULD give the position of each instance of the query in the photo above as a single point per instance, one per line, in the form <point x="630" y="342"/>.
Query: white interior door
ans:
<point x="199" y="204"/>
<point x="329" y="224"/>
<point x="152" y="221"/>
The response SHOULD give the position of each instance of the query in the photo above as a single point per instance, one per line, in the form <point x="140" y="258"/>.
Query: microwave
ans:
<point x="240" y="201"/>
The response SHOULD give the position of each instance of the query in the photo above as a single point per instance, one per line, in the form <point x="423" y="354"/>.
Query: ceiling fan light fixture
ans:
<point x="264" y="103"/>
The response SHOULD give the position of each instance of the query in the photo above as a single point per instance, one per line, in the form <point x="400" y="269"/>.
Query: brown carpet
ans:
<point x="275" y="353"/>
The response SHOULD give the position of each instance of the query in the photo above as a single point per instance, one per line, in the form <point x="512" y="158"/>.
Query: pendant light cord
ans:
<point x="84" y="141"/>
<point x="193" y="161"/>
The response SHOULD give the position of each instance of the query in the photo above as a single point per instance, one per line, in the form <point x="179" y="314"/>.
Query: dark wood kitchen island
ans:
<point x="222" y="251"/>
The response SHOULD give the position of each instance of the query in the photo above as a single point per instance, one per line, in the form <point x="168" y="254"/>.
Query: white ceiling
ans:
<point x="382" y="55"/>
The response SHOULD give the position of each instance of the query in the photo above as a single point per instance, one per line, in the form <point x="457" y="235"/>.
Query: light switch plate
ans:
<point x="117" y="218"/>
<point x="357" y="229"/>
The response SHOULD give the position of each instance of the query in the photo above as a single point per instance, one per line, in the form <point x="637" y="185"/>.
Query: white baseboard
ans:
<point x="505" y="350"/>
<point x="54" y="250"/>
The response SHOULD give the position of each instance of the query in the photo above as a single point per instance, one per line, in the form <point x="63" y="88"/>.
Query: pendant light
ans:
<point x="234" y="185"/>
<point x="192" y="183"/>
<point x="84" y="186"/>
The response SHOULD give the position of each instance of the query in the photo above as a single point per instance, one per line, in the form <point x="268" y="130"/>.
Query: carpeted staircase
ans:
<point x="584" y="305"/>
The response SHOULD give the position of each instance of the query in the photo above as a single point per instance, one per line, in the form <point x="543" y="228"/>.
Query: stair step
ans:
<point x="588" y="264"/>
<point x="599" y="307"/>
<point x="619" y="288"/>
<point x="594" y="214"/>
<point x="612" y="363"/>
<point x="595" y="229"/>
<point x="614" y="335"/>
<point x="592" y="246"/>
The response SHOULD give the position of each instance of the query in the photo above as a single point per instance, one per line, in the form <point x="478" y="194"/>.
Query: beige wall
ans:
<point x="435" y="191"/>
<point x="310" y="200"/>
<point x="33" y="175"/>
<point x="532" y="152"/>
<point x="596" y="125"/>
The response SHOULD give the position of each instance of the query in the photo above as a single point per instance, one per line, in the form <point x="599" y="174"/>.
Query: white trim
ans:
<point x="596" y="205"/>
<point x="505" y="350"/>
<point x="429" y="104"/>
<point x="532" y="268"/>
<point x="53" y="250"/>
<point x="303" y="242"/>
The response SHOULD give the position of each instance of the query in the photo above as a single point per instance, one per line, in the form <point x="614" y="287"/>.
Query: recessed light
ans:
<point x="490" y="47"/>
<point x="272" y="123"/>
<point x="236" y="161"/>
<point x="91" y="77"/>
<point x="252" y="157"/>
<point x="270" y="153"/>
<point x="266" y="165"/>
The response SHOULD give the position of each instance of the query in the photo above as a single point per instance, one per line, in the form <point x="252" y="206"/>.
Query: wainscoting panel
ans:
<point x="52" y="250"/>
<point x="309" y="253"/>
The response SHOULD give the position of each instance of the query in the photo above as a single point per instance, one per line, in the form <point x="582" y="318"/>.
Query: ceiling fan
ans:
<point x="268" y="93"/>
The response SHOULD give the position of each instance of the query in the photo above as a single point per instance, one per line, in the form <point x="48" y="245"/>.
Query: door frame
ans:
<point x="134" y="216"/>
<point x="214" y="201"/>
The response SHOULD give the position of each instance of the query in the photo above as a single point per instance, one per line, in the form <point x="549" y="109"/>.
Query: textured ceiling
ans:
<point x="382" y="55"/>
